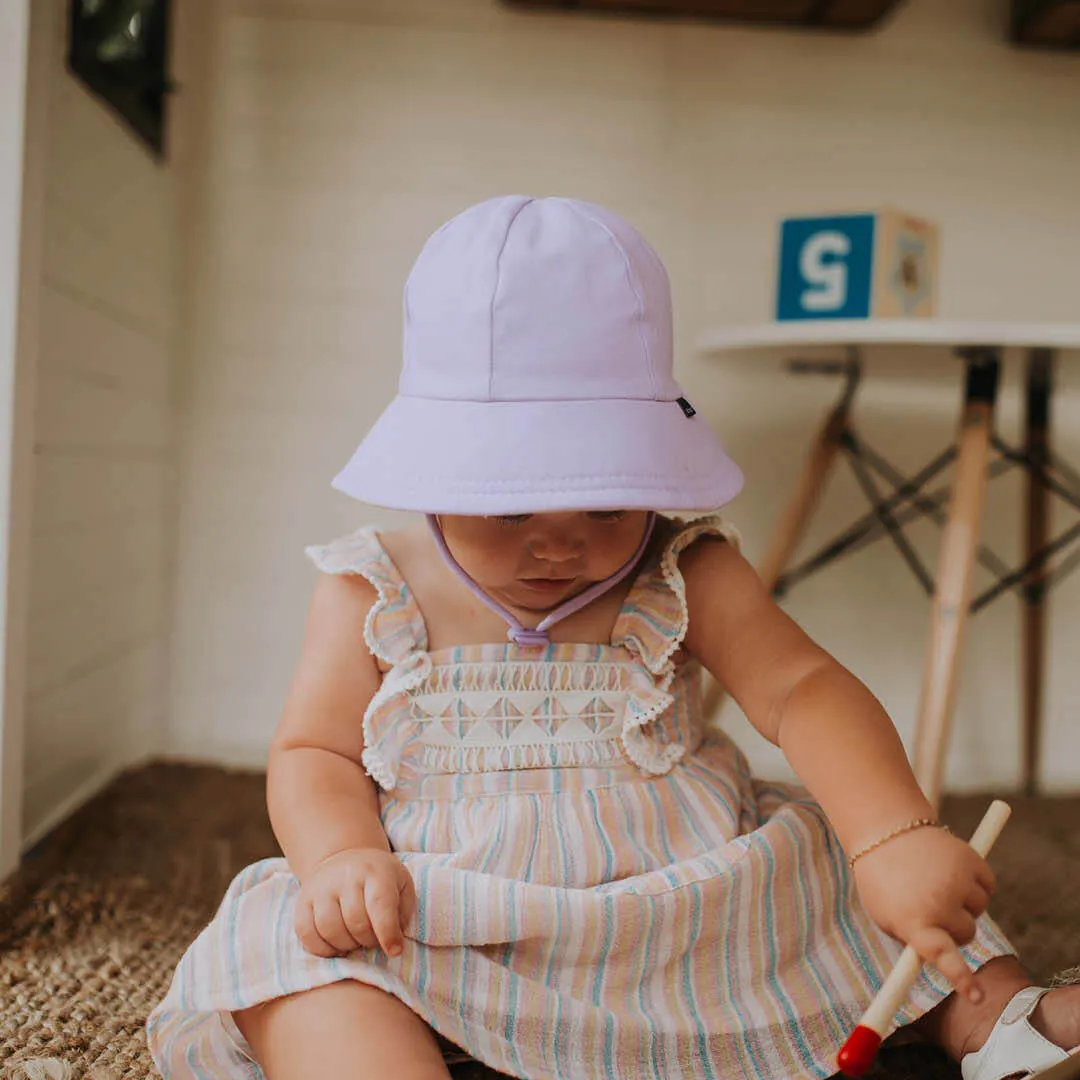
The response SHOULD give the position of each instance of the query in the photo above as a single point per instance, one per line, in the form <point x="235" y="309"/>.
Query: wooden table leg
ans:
<point x="799" y="511"/>
<point x="952" y="594"/>
<point x="796" y="517"/>
<point x="1037" y="422"/>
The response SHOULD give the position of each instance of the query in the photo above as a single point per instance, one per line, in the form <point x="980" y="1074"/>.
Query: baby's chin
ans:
<point x="541" y="597"/>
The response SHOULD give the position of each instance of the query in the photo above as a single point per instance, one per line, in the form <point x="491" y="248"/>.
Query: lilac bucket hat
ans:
<point x="537" y="375"/>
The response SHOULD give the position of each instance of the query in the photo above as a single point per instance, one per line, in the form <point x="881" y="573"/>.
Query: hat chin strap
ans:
<point x="538" y="635"/>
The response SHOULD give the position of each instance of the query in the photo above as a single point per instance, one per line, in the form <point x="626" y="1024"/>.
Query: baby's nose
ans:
<point x="556" y="546"/>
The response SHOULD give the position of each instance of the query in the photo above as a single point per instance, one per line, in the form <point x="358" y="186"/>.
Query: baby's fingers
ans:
<point x="937" y="947"/>
<point x="330" y="923"/>
<point x="408" y="898"/>
<point x="985" y="877"/>
<point x="383" y="901"/>
<point x="356" y="917"/>
<point x="978" y="900"/>
<point x="304" y="924"/>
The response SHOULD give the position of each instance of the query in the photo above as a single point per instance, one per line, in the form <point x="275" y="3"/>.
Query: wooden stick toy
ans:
<point x="857" y="1054"/>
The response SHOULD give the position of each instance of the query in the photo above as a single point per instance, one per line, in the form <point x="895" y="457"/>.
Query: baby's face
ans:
<point x="535" y="561"/>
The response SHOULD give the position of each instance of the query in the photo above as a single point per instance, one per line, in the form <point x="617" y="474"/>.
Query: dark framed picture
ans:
<point x="1051" y="24"/>
<point x="119" y="49"/>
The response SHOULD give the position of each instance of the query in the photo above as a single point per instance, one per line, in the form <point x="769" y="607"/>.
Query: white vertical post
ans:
<point x="23" y="86"/>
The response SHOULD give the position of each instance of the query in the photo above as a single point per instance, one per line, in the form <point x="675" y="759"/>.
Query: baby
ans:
<point x="504" y="818"/>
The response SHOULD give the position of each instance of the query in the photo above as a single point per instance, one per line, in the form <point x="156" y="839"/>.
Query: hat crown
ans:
<point x="526" y="299"/>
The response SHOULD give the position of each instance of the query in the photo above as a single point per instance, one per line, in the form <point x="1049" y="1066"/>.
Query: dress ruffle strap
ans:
<point x="395" y="633"/>
<point x="652" y="627"/>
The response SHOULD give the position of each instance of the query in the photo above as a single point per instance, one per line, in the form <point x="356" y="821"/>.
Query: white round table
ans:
<point x="958" y="507"/>
<point x="955" y="333"/>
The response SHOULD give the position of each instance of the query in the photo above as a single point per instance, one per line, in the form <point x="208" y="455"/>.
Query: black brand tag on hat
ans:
<point x="687" y="408"/>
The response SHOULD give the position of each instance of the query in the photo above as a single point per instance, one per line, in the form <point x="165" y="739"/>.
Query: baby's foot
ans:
<point x="1057" y="1017"/>
<point x="962" y="1027"/>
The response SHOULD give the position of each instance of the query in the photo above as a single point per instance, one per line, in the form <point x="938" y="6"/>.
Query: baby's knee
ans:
<point x="336" y="1026"/>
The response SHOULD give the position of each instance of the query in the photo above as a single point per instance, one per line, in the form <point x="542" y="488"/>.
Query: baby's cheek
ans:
<point x="492" y="564"/>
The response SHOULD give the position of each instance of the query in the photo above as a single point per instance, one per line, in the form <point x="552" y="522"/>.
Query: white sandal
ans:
<point x="1015" y="1048"/>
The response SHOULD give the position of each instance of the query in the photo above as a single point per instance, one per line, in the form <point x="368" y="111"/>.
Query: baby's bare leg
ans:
<point x="346" y="1030"/>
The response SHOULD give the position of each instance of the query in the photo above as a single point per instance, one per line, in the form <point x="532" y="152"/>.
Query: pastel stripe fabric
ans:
<point x="604" y="889"/>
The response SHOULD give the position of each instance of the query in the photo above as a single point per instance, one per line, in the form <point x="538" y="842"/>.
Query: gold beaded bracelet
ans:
<point x="920" y="823"/>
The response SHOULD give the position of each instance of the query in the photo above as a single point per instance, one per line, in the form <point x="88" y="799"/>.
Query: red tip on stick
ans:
<point x="859" y="1051"/>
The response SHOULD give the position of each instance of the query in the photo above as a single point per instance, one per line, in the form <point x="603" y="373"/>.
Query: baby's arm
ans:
<point x="321" y="800"/>
<point x="833" y="731"/>
<point x="924" y="887"/>
<point x="354" y="892"/>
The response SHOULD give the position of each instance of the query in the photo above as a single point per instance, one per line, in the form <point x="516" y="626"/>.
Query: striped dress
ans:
<point x="604" y="890"/>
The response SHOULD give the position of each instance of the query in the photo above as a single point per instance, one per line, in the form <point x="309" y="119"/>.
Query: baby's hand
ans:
<point x="927" y="888"/>
<point x="355" y="900"/>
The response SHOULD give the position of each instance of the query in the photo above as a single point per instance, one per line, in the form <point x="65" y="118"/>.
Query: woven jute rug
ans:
<point x="93" y="923"/>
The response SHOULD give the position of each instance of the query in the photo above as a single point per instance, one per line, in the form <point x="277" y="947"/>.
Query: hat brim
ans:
<point x="442" y="456"/>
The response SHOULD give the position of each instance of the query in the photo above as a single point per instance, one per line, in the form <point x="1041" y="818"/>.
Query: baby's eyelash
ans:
<point x="596" y="515"/>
